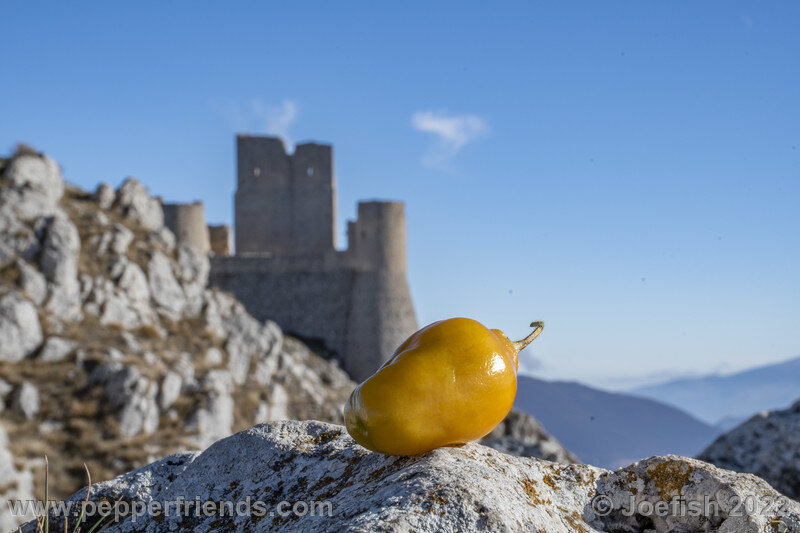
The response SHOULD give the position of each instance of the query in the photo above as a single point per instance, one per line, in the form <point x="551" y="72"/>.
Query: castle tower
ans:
<point x="286" y="268"/>
<point x="381" y="310"/>
<point x="188" y="223"/>
<point x="377" y="239"/>
<point x="284" y="204"/>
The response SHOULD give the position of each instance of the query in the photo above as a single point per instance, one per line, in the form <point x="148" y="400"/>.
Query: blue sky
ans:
<point x="628" y="172"/>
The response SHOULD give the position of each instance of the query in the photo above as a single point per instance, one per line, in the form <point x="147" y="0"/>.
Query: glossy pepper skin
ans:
<point x="449" y="383"/>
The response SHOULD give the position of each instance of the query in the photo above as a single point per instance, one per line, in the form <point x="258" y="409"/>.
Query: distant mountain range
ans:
<point x="610" y="429"/>
<point x="726" y="400"/>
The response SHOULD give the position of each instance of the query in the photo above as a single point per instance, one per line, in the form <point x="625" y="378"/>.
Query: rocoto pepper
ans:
<point x="449" y="383"/>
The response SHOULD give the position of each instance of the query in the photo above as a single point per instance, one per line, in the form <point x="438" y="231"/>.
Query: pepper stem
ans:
<point x="519" y="345"/>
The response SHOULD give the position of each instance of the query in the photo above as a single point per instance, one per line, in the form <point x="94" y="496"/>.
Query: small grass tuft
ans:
<point x="43" y="521"/>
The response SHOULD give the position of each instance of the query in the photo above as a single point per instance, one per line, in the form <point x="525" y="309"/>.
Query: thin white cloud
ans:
<point x="260" y="118"/>
<point x="451" y="133"/>
<point x="276" y="120"/>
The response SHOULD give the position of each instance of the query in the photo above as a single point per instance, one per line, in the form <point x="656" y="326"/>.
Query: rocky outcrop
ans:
<point x="136" y="204"/>
<point x="521" y="434"/>
<point x="56" y="349"/>
<point x="14" y="485"/>
<point x="26" y="400"/>
<point x="32" y="190"/>
<point x="332" y="484"/>
<point x="767" y="445"/>
<point x="19" y="327"/>
<point x="113" y="349"/>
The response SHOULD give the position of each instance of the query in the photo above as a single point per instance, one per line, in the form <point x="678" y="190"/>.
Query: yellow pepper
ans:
<point x="449" y="383"/>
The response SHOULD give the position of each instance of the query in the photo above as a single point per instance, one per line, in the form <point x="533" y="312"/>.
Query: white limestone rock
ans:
<point x="126" y="303"/>
<point x="38" y="173"/>
<point x="7" y="470"/>
<point x="140" y="412"/>
<point x="214" y="356"/>
<point x="59" y="263"/>
<point x="64" y="304"/>
<point x="14" y="485"/>
<point x="56" y="349"/>
<point x="118" y="311"/>
<point x="101" y="242"/>
<point x="194" y="269"/>
<point x="521" y="434"/>
<point x="278" y="406"/>
<point x="113" y="355"/>
<point x="137" y="205"/>
<point x="214" y="420"/>
<point x="724" y="501"/>
<point x="7" y="255"/>
<point x="224" y="318"/>
<point x="133" y="395"/>
<point x="165" y="289"/>
<point x="34" y="187"/>
<point x="767" y="445"/>
<point x="26" y="400"/>
<point x="87" y="284"/>
<point x="26" y="205"/>
<point x="19" y="239"/>
<point x="150" y="358"/>
<point x="470" y="488"/>
<point x="170" y="390"/>
<point x="104" y="195"/>
<point x="20" y="330"/>
<point x="240" y="353"/>
<point x="132" y="344"/>
<point x="101" y="220"/>
<point x="217" y="310"/>
<point x="31" y="282"/>
<point x="130" y="279"/>
<point x="265" y="370"/>
<point x="162" y="238"/>
<point x="194" y="265"/>
<point x="121" y="238"/>
<point x="60" y="250"/>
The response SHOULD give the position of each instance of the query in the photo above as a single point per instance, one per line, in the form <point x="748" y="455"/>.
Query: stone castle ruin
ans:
<point x="286" y="266"/>
<point x="188" y="222"/>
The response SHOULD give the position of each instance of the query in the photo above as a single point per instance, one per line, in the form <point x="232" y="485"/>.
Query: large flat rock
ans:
<point x="469" y="488"/>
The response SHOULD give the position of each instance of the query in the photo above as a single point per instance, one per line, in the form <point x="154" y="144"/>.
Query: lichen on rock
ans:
<point x="467" y="488"/>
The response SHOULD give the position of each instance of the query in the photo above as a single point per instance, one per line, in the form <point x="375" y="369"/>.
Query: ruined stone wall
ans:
<point x="261" y="204"/>
<point x="188" y="223"/>
<point x="313" y="199"/>
<point x="220" y="237"/>
<point x="361" y="315"/>
<point x="284" y="204"/>
<point x="357" y="301"/>
<point x="309" y="302"/>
